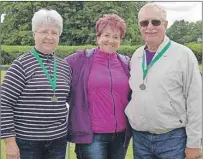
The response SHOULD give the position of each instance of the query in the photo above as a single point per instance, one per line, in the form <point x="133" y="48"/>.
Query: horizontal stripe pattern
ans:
<point x="27" y="111"/>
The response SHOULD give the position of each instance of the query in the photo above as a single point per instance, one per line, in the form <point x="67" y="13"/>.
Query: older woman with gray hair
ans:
<point x="34" y="93"/>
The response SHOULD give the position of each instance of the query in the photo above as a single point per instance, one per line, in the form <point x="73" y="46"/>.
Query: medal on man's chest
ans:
<point x="142" y="86"/>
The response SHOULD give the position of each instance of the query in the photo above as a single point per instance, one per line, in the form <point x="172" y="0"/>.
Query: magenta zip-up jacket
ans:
<point x="79" y="122"/>
<point x="107" y="92"/>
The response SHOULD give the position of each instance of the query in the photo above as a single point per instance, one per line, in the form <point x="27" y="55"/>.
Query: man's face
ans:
<point x="152" y="25"/>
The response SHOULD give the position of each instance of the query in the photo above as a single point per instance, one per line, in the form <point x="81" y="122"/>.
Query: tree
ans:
<point x="185" y="32"/>
<point x="79" y="20"/>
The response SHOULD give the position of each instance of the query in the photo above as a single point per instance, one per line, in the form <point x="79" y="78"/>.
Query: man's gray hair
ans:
<point x="154" y="5"/>
<point x="44" y="16"/>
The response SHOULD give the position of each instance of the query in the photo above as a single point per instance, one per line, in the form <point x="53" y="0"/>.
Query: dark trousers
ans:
<point x="53" y="149"/>
<point x="104" y="146"/>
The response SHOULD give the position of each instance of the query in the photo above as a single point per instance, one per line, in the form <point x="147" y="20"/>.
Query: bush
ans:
<point x="9" y="53"/>
<point x="197" y="49"/>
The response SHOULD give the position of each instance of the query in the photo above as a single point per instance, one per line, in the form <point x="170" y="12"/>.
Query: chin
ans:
<point x="48" y="50"/>
<point x="151" y="39"/>
<point x="110" y="50"/>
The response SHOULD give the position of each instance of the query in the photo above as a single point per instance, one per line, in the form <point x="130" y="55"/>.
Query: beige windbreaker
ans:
<point x="173" y="94"/>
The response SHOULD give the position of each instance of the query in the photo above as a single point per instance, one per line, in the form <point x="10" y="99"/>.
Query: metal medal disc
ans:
<point x="142" y="86"/>
<point x="54" y="98"/>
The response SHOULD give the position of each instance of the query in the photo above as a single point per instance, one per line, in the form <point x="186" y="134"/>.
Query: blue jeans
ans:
<point x="53" y="149"/>
<point x="169" y="145"/>
<point x="104" y="146"/>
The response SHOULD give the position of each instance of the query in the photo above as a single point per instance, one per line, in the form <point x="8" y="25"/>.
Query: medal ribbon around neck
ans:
<point x="51" y="82"/>
<point x="145" y="70"/>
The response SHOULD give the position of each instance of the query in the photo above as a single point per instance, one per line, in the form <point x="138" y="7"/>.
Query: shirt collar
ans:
<point x="161" y="46"/>
<point x="43" y="55"/>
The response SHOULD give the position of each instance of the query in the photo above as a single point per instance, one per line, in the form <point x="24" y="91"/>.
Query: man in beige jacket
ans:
<point x="165" y="111"/>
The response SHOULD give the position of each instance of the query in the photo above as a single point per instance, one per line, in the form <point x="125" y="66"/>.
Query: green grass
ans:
<point x="2" y="75"/>
<point x="3" y="155"/>
<point x="200" y="67"/>
<point x="70" y="149"/>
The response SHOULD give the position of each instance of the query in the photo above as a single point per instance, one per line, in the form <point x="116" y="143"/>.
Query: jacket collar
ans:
<point x="89" y="52"/>
<point x="122" y="58"/>
<point x="42" y="55"/>
<point x="161" y="46"/>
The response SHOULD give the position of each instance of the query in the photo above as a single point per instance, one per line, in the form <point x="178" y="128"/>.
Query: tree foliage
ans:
<point x="185" y="32"/>
<point x="79" y="19"/>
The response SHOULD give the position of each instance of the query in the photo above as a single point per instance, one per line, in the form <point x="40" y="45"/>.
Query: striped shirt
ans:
<point x="27" y="111"/>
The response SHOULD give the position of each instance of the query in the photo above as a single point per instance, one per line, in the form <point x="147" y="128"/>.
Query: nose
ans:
<point x="49" y="36"/>
<point x="150" y="25"/>
<point x="110" y="39"/>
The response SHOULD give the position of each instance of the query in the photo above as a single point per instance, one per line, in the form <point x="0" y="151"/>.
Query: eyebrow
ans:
<point x="113" y="34"/>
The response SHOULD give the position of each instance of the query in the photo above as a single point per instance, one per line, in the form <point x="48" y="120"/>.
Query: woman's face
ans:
<point x="46" y="38"/>
<point x="109" y="40"/>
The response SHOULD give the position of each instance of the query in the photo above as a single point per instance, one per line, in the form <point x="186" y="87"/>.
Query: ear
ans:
<point x="97" y="40"/>
<point x="166" y="24"/>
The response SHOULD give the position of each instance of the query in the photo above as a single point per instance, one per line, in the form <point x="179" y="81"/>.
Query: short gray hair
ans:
<point x="154" y="5"/>
<point x="44" y="16"/>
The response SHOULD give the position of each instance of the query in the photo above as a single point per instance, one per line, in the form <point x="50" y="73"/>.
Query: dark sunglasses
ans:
<point x="154" y="22"/>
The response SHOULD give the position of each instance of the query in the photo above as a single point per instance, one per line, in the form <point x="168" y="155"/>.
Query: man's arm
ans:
<point x="193" y="94"/>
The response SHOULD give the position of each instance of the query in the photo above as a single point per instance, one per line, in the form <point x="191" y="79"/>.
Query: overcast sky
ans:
<point x="189" y="11"/>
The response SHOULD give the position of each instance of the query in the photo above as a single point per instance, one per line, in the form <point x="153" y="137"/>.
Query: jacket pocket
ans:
<point x="169" y="115"/>
<point x="176" y="112"/>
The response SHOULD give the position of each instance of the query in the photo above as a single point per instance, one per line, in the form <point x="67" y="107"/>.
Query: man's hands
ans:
<point x="12" y="150"/>
<point x="193" y="153"/>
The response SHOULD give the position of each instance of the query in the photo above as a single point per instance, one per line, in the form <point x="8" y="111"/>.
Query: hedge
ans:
<point x="197" y="49"/>
<point x="9" y="53"/>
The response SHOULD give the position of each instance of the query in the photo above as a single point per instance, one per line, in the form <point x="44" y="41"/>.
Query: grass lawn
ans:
<point x="2" y="75"/>
<point x="71" y="147"/>
<point x="200" y="67"/>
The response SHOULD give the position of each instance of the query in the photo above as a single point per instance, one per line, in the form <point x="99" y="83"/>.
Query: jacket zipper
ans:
<point x="112" y="95"/>
<point x="176" y="112"/>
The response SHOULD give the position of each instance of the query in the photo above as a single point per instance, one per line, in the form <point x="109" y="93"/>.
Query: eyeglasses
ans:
<point x="46" y="33"/>
<point x="154" y="22"/>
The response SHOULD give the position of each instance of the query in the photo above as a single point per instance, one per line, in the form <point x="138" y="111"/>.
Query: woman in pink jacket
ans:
<point x="100" y="91"/>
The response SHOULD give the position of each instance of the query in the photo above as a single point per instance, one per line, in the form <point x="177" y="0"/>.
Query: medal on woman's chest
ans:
<point x="54" y="98"/>
<point x="51" y="82"/>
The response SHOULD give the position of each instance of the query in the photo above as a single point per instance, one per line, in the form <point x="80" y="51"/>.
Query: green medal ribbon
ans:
<point x="51" y="82"/>
<point x="145" y="70"/>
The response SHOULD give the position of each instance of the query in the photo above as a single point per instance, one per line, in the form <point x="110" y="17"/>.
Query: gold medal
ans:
<point x="54" y="98"/>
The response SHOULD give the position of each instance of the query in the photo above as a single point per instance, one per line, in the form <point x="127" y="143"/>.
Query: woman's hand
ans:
<point x="12" y="150"/>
